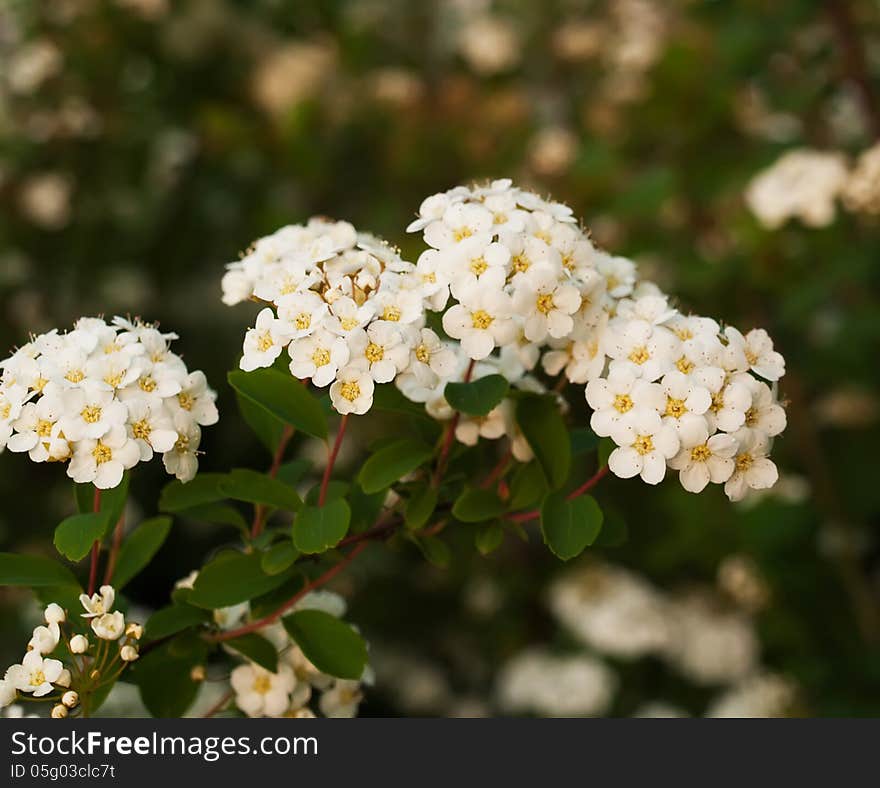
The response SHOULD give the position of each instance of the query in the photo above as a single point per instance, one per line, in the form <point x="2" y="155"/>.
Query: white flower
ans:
<point x="342" y="699"/>
<point x="729" y="404"/>
<point x="703" y="459"/>
<point x="182" y="459"/>
<point x="38" y="430"/>
<point x="765" y="413"/>
<point x="685" y="403"/>
<point x="644" y="349"/>
<point x="545" y="304"/>
<point x="259" y="693"/>
<point x="353" y="390"/>
<point x="346" y="316"/>
<point x="431" y="359"/>
<point x="481" y="321"/>
<point x="150" y="428"/>
<point x="7" y="693"/>
<point x="618" y="398"/>
<point x="79" y="644"/>
<point x="128" y="653"/>
<point x="753" y="469"/>
<point x="644" y="445"/>
<point x="45" y="639"/>
<point x="103" y="461"/>
<point x="476" y="261"/>
<point x="381" y="349"/>
<point x="619" y="274"/>
<point x="196" y="399"/>
<point x="755" y="351"/>
<point x="459" y="222"/>
<point x="98" y="604"/>
<point x="264" y="343"/>
<point x="54" y="614"/>
<point x="491" y="426"/>
<point x="34" y="675"/>
<point x="91" y="412"/>
<point x="318" y="357"/>
<point x="110" y="626"/>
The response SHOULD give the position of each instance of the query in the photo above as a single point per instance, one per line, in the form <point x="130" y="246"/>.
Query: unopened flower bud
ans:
<point x="94" y="674"/>
<point x="197" y="673"/>
<point x="79" y="644"/>
<point x="70" y="699"/>
<point x="134" y="630"/>
<point x="63" y="679"/>
<point x="128" y="653"/>
<point x="59" y="712"/>
<point x="55" y="614"/>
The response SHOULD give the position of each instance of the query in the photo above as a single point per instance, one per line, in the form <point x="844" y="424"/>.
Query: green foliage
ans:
<point x="204" y="489"/>
<point x="164" y="676"/>
<point x="232" y="577"/>
<point x="477" y="397"/>
<point x="76" y="534"/>
<point x="139" y="548"/>
<point x="489" y="537"/>
<point x="542" y="424"/>
<point x="318" y="528"/>
<point x="476" y="505"/>
<point x="330" y="644"/>
<point x="392" y="463"/>
<point x="34" y="571"/>
<point x="256" y="648"/>
<point x="278" y="558"/>
<point x="247" y="485"/>
<point x="420" y="506"/>
<point x="570" y="526"/>
<point x="283" y="397"/>
<point x="268" y="428"/>
<point x="173" y="619"/>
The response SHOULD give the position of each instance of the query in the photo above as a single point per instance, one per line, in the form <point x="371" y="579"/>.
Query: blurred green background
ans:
<point x="144" y="143"/>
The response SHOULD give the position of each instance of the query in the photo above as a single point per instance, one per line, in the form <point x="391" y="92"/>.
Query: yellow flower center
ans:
<point x="262" y="684"/>
<point x="544" y="236"/>
<point x="350" y="390"/>
<point x="684" y="365"/>
<point x="44" y="428"/>
<point x="141" y="429"/>
<point x="700" y="453"/>
<point x="751" y="417"/>
<point x="374" y="352"/>
<point x="430" y="278"/>
<point x="461" y="233"/>
<point x="623" y="403"/>
<point x="675" y="408"/>
<point x="481" y="319"/>
<point x="499" y="218"/>
<point x="643" y="444"/>
<point x="288" y="287"/>
<point x="684" y="334"/>
<point x="264" y="341"/>
<point x="639" y="355"/>
<point x="479" y="266"/>
<point x="38" y="678"/>
<point x="717" y="402"/>
<point x="391" y="313"/>
<point x="75" y="376"/>
<point x="40" y="384"/>
<point x="744" y="462"/>
<point x="751" y="358"/>
<point x="147" y="384"/>
<point x="113" y="380"/>
<point x="348" y="323"/>
<point x="568" y="262"/>
<point x="303" y="321"/>
<point x="5" y="410"/>
<point x="545" y="304"/>
<point x="321" y="357"/>
<point x="520" y="263"/>
<point x="186" y="400"/>
<point x="423" y="354"/>
<point x="181" y="445"/>
<point x="102" y="453"/>
<point x="91" y="414"/>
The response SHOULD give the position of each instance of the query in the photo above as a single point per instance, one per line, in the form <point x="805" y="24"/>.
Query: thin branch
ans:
<point x="450" y="435"/>
<point x="589" y="484"/>
<point x="331" y="460"/>
<point x="96" y="547"/>
<point x="114" y="550"/>
<point x="218" y="706"/>
<point x="260" y="510"/>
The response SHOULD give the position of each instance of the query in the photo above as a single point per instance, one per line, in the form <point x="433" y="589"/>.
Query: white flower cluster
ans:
<point x="348" y="309"/>
<point x="104" y="397"/>
<point x="42" y="676"/>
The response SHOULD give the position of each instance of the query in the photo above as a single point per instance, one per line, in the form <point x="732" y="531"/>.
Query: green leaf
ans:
<point x="489" y="537"/>
<point x="253" y="487"/>
<point x="420" y="507"/>
<point x="218" y="513"/>
<point x="278" y="558"/>
<point x="475" y="505"/>
<point x="112" y="500"/>
<point x="392" y="463"/>
<point x="165" y="675"/>
<point x="173" y="619"/>
<point x="257" y="649"/>
<point x="435" y="551"/>
<point x="478" y="397"/>
<point x="528" y="485"/>
<point x="387" y="397"/>
<point x="268" y="428"/>
<point x="205" y="488"/>
<point x="283" y="397"/>
<point x="606" y="446"/>
<point x="331" y="645"/>
<point x="583" y="441"/>
<point x="569" y="526"/>
<point x="231" y="578"/>
<point x="75" y="536"/>
<point x="542" y="424"/>
<point x="318" y="528"/>
<point x="33" y="570"/>
<point x="139" y="548"/>
<point x="292" y="472"/>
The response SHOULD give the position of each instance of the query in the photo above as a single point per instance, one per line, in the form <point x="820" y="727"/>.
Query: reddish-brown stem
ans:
<point x="254" y="626"/>
<point x="498" y="471"/>
<point x="218" y="706"/>
<point x="450" y="435"/>
<point x="114" y="550"/>
<point x="331" y="460"/>
<point x="260" y="510"/>
<point x="588" y="485"/>
<point x="96" y="547"/>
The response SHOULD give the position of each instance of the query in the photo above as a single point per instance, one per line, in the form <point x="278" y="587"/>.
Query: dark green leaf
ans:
<point x="528" y="485"/>
<point x="330" y="644"/>
<point x="318" y="528"/>
<point x="569" y="526"/>
<point x="231" y="578"/>
<point x="283" y="397"/>
<point x="218" y="513"/>
<point x="268" y="428"/>
<point x="420" y="507"/>
<point x="583" y="441"/>
<point x="475" y="505"/>
<point x="478" y="397"/>
<point x="387" y="397"/>
<point x="292" y="472"/>
<point x="112" y="501"/>
<point x="205" y="488"/>
<point x="488" y="537"/>
<point x="173" y="619"/>
<point x="75" y="536"/>
<point x="139" y="548"/>
<point x="435" y="550"/>
<point x="257" y="649"/>
<point x="33" y="570"/>
<point x="246" y="485"/>
<point x="542" y="424"/>
<point x="278" y="557"/>
<point x="614" y="529"/>
<point x="165" y="676"/>
<point x="392" y="463"/>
